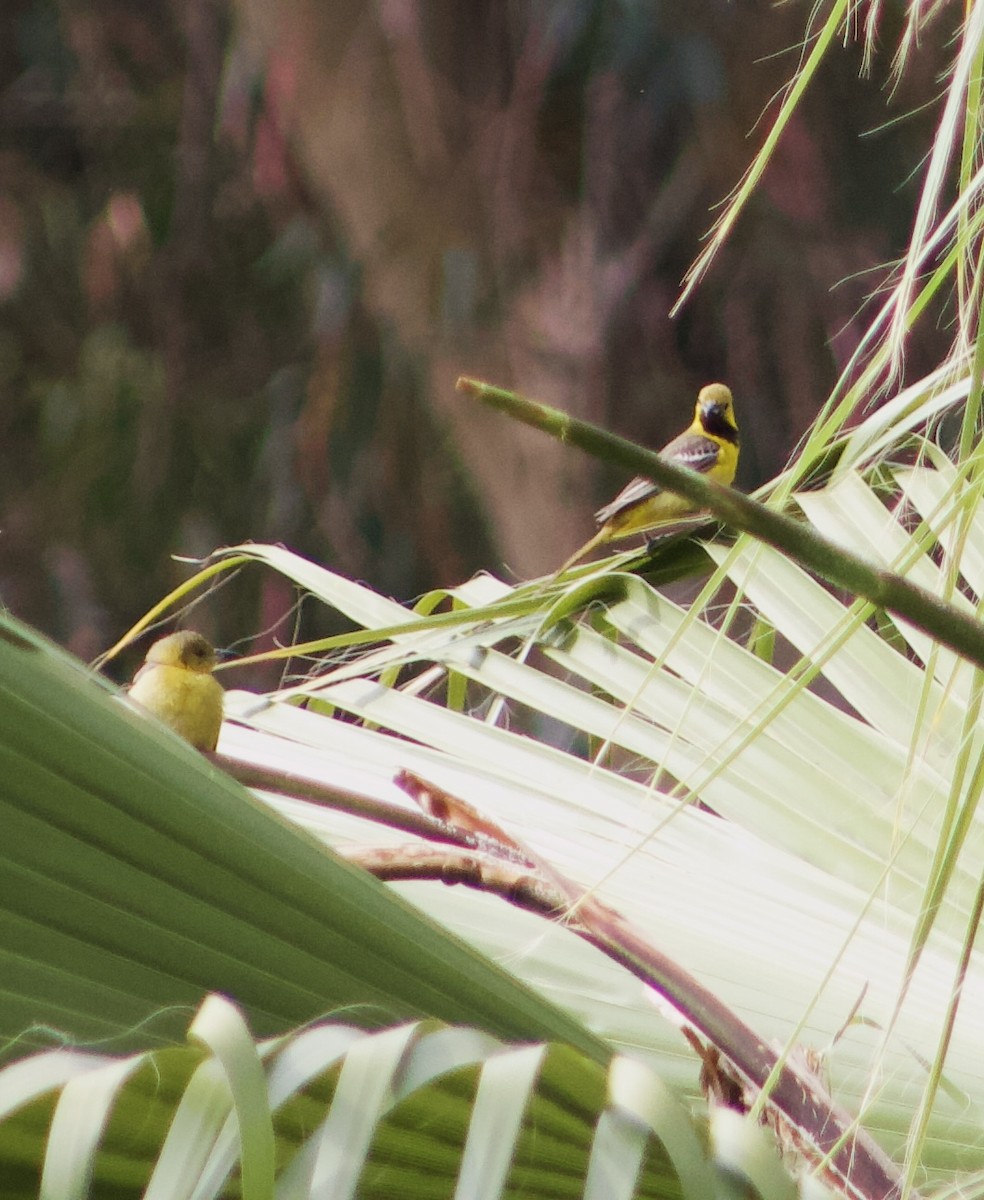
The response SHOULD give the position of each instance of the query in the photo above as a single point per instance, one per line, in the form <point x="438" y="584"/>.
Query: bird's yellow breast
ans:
<point x="189" y="702"/>
<point x="726" y="467"/>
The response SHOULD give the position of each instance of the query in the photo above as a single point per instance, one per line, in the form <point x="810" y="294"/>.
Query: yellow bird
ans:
<point x="709" y="446"/>
<point x="176" y="684"/>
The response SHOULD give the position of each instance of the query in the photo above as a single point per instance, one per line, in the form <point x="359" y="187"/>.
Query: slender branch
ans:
<point x="302" y="787"/>
<point x="520" y="885"/>
<point x="945" y="623"/>
<point x="797" y="1097"/>
<point x="483" y="856"/>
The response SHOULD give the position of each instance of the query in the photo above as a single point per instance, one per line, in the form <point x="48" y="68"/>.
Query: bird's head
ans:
<point x="184" y="649"/>
<point x="715" y="408"/>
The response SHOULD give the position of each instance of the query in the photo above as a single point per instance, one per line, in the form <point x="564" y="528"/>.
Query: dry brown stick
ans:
<point x="516" y="882"/>
<point x="796" y="1097"/>
<point x="302" y="787"/>
<point x="484" y="856"/>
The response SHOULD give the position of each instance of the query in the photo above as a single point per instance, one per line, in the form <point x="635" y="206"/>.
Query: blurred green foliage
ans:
<point x="245" y="249"/>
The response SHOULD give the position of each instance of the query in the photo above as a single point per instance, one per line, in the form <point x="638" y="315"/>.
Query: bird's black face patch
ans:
<point x="714" y="419"/>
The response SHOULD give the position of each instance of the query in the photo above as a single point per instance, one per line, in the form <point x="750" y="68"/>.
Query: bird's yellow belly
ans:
<point x="648" y="514"/>
<point x="188" y="702"/>
<point x="664" y="507"/>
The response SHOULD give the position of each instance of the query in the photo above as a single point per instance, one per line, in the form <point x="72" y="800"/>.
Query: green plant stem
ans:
<point x="944" y="622"/>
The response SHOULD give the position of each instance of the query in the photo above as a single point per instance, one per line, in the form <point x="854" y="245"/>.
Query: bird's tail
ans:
<point x="589" y="545"/>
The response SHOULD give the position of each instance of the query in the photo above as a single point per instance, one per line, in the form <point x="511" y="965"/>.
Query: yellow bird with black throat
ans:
<point x="709" y="446"/>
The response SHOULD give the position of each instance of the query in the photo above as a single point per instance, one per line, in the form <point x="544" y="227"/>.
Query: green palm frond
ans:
<point x="420" y="1109"/>
<point x="137" y="877"/>
<point x="841" y="777"/>
<point x="821" y="890"/>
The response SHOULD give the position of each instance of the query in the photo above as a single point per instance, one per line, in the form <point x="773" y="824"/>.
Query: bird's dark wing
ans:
<point x="632" y="494"/>
<point x="691" y="450"/>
